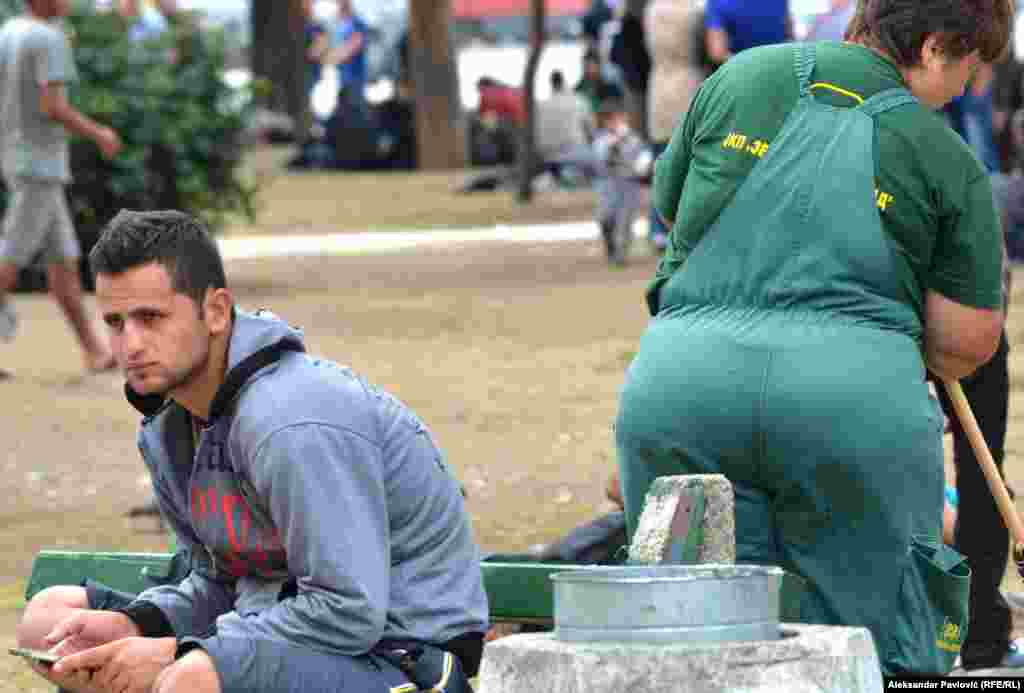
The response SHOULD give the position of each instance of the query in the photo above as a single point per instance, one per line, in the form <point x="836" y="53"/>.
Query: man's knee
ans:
<point x="193" y="673"/>
<point x="46" y="610"/>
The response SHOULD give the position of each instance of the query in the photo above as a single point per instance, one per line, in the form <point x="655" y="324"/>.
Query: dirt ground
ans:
<point x="513" y="354"/>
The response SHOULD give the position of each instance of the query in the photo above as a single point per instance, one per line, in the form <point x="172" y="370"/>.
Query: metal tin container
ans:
<point x="671" y="603"/>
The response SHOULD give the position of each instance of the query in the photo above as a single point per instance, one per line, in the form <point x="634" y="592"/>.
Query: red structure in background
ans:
<point x="466" y="9"/>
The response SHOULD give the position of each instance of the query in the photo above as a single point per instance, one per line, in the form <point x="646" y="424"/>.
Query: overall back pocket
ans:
<point x="930" y="623"/>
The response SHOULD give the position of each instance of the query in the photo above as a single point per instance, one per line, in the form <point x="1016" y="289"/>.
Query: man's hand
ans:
<point x="195" y="672"/>
<point x="131" y="665"/>
<point x="88" y="628"/>
<point x="109" y="142"/>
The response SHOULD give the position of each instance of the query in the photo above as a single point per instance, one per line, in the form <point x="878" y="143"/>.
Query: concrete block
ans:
<point x="809" y="659"/>
<point x="669" y="516"/>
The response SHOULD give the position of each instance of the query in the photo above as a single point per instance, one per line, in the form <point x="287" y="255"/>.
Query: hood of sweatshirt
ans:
<point x="257" y="340"/>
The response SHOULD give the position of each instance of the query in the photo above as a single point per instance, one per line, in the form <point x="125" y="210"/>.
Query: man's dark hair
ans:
<point x="557" y="80"/>
<point x="900" y="27"/>
<point x="176" y="241"/>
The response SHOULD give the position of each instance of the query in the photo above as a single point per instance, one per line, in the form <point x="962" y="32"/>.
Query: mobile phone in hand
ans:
<point x="39" y="656"/>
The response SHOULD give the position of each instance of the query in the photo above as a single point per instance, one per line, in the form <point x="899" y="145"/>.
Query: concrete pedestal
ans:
<point x="811" y="659"/>
<point x="669" y="518"/>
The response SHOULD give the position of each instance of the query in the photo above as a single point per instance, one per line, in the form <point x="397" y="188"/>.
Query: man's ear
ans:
<point x="217" y="310"/>
<point x="932" y="55"/>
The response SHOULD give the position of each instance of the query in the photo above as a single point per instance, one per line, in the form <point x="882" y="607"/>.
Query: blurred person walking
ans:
<point x="36" y="63"/>
<point x="674" y="34"/>
<point x="623" y="162"/>
<point x="736" y="25"/>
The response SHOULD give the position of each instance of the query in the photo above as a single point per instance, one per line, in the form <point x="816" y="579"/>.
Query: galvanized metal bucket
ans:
<point x="671" y="603"/>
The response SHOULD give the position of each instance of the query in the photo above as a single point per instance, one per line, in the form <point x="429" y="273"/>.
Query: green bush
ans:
<point x="180" y="123"/>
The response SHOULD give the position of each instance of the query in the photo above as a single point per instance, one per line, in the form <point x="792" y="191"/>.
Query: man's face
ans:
<point x="344" y="8"/>
<point x="157" y="335"/>
<point x="938" y="79"/>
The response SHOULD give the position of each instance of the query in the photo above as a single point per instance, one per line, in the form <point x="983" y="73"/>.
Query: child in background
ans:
<point x="624" y="166"/>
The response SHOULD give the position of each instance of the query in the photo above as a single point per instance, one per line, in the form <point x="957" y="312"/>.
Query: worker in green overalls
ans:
<point x="831" y="239"/>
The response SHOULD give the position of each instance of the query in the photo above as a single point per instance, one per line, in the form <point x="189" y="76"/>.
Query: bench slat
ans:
<point x="519" y="590"/>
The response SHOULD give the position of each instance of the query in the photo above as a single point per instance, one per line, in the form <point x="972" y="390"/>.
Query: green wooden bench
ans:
<point x="519" y="589"/>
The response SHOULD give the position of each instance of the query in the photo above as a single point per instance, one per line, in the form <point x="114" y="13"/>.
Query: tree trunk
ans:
<point x="439" y="140"/>
<point x="278" y="28"/>
<point x="528" y="143"/>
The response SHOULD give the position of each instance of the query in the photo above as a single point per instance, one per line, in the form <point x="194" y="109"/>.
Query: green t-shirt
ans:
<point x="934" y="196"/>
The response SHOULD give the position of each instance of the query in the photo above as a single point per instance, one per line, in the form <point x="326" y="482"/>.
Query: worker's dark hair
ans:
<point x="176" y="241"/>
<point x="900" y="27"/>
<point x="557" y="80"/>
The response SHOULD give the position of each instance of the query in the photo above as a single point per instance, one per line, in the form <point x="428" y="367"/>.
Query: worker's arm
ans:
<point x="964" y="301"/>
<point x="958" y="339"/>
<point x="54" y="104"/>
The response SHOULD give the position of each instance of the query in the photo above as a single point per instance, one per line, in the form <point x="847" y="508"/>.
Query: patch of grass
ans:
<point x="322" y="202"/>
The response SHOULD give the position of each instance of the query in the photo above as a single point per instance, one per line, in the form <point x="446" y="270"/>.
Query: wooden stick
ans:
<point x="988" y="467"/>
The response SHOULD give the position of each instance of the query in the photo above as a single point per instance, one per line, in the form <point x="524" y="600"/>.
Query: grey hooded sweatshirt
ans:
<point x="318" y="510"/>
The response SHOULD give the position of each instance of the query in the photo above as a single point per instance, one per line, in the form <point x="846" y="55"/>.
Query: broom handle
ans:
<point x="988" y="465"/>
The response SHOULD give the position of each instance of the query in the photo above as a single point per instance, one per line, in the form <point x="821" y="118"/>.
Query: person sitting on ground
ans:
<point x="564" y="127"/>
<point x="331" y="550"/>
<point x="624" y="162"/>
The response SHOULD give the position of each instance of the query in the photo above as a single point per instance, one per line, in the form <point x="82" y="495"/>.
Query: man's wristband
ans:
<point x="149" y="618"/>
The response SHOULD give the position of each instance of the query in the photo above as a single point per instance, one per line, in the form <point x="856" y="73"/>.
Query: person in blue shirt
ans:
<point x="347" y="40"/>
<point x="735" y="25"/>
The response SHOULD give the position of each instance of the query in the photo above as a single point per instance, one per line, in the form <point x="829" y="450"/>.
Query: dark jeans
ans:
<point x="980" y="533"/>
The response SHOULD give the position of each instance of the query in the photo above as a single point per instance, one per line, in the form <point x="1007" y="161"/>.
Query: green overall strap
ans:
<point x="804" y="232"/>
<point x="886" y="101"/>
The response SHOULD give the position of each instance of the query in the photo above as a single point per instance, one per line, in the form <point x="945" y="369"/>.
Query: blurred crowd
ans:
<point x="649" y="68"/>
